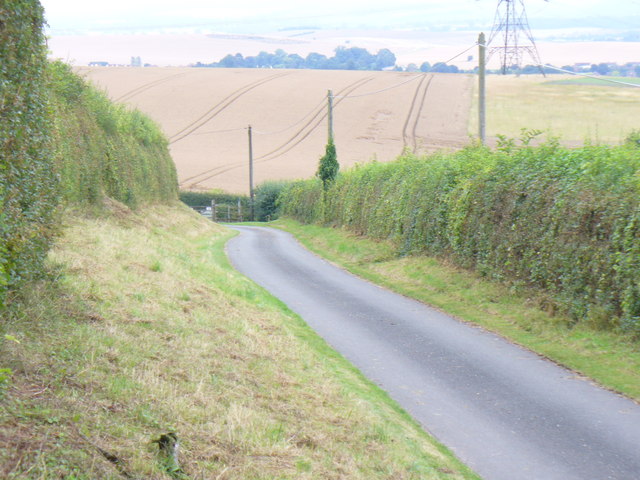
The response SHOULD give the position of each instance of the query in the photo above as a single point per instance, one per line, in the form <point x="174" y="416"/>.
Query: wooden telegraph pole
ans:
<point x="482" y="73"/>
<point x="252" y="209"/>
<point x="330" y="115"/>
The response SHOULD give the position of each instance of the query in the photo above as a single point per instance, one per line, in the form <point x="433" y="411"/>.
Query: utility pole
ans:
<point x="251" y="175"/>
<point x="330" y="115"/>
<point x="482" y="75"/>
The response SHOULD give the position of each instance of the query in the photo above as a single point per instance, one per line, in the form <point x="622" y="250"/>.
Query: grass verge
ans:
<point x="144" y="329"/>
<point x="610" y="359"/>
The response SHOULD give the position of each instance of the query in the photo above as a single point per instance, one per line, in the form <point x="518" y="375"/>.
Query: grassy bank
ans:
<point x="145" y="329"/>
<point x="523" y="316"/>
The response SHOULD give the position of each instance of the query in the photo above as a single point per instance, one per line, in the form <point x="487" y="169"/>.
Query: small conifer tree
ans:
<point x="328" y="167"/>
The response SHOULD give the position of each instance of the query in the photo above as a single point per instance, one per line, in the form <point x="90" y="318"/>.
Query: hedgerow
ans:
<point x="28" y="187"/>
<point x="62" y="141"/>
<point x="266" y="199"/>
<point x="563" y="221"/>
<point x="106" y="149"/>
<point x="203" y="199"/>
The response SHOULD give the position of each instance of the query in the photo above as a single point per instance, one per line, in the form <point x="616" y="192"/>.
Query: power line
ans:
<point x="603" y="79"/>
<point x="384" y="89"/>
<point x="311" y="112"/>
<point x="406" y="81"/>
<point x="211" y="132"/>
<point x="294" y="124"/>
<point x="463" y="52"/>
<point x="265" y="133"/>
<point x="291" y="143"/>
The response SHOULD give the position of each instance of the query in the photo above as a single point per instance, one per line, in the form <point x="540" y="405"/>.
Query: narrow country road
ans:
<point x="504" y="411"/>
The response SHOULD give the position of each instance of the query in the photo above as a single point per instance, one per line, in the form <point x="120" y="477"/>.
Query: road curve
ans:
<point x="504" y="411"/>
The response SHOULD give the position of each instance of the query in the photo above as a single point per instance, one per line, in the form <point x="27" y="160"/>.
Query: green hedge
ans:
<point x="102" y="148"/>
<point x="564" y="221"/>
<point x="266" y="199"/>
<point x="28" y="195"/>
<point x="204" y="199"/>
<point x="61" y="140"/>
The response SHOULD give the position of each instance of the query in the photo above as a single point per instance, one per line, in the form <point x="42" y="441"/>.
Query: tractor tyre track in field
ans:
<point x="143" y="88"/>
<point x="342" y="93"/>
<point x="193" y="177"/>
<point x="414" y="131"/>
<point x="413" y="117"/>
<point x="412" y="106"/>
<point x="371" y="127"/>
<point x="214" y="171"/>
<point x="221" y="106"/>
<point x="288" y="145"/>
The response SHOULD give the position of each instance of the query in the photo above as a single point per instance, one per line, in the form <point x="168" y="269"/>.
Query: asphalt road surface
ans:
<point x="504" y="411"/>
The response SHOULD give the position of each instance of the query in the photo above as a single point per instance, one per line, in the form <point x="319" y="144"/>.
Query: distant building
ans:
<point x="98" y="64"/>
<point x="136" y="62"/>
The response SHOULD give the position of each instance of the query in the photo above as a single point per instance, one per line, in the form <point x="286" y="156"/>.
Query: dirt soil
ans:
<point x="205" y="113"/>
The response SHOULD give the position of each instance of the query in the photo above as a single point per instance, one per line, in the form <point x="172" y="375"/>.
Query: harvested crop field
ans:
<point x="205" y="114"/>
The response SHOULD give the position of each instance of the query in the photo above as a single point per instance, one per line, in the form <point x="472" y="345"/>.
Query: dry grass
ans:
<point x="148" y="330"/>
<point x="574" y="112"/>
<point x="205" y="113"/>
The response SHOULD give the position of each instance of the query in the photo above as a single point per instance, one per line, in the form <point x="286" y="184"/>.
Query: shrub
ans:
<point x="633" y="139"/>
<point x="266" y="200"/>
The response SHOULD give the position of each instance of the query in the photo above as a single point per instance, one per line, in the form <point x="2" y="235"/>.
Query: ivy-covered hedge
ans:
<point x="564" y="221"/>
<point x="62" y="141"/>
<point x="28" y="187"/>
<point x="106" y="149"/>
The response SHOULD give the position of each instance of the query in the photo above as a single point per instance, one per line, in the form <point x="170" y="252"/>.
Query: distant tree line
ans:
<point x="352" y="58"/>
<point x="355" y="58"/>
<point x="631" y="69"/>
<point x="439" y="67"/>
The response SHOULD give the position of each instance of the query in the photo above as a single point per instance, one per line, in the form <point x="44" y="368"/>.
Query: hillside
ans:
<point x="205" y="112"/>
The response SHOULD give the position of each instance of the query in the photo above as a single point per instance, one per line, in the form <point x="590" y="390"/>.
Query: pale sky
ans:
<point x="114" y="16"/>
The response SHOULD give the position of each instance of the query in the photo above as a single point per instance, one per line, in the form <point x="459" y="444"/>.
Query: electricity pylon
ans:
<point x="511" y="36"/>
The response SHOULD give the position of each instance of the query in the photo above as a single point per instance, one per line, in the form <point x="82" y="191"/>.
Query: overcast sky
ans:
<point x="113" y="16"/>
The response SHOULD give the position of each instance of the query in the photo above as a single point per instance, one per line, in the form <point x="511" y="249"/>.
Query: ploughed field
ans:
<point x="205" y="113"/>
